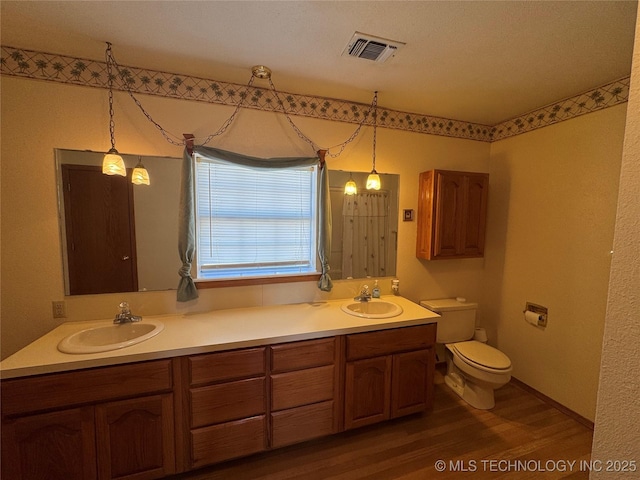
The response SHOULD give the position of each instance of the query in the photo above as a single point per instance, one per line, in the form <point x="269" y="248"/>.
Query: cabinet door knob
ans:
<point x="126" y="257"/>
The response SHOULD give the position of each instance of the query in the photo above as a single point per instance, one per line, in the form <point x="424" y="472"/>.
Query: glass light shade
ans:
<point x="140" y="176"/>
<point x="113" y="164"/>
<point x="350" y="188"/>
<point x="373" y="181"/>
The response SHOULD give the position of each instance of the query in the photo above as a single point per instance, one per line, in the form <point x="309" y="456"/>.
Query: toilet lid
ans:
<point x="481" y="354"/>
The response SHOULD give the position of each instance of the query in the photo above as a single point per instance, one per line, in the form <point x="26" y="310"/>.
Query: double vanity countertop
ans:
<point x="193" y="333"/>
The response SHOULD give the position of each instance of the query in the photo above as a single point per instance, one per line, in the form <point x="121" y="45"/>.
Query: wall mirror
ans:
<point x="364" y="239"/>
<point x="116" y="236"/>
<point x="134" y="227"/>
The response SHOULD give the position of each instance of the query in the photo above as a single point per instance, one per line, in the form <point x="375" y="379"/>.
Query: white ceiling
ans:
<point x="477" y="61"/>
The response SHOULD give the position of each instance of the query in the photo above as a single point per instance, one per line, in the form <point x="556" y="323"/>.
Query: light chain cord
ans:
<point x="311" y="142"/>
<point x="111" y="61"/>
<point x="293" y="125"/>
<point x="375" y="123"/>
<point x="357" y="130"/>
<point x="229" y="120"/>
<point x="112" y="124"/>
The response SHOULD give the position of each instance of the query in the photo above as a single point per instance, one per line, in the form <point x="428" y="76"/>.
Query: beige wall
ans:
<point x="551" y="218"/>
<point x="617" y="436"/>
<point x="38" y="117"/>
<point x="551" y="214"/>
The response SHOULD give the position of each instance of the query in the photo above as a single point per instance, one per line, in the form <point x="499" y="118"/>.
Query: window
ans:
<point x="254" y="222"/>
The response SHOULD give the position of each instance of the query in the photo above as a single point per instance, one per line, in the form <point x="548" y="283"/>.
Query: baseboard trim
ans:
<point x="558" y="406"/>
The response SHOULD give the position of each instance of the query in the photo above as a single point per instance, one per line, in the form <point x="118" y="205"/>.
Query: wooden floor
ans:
<point x="521" y="438"/>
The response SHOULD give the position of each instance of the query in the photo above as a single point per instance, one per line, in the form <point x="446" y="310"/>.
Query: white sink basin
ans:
<point x="110" y="337"/>
<point x="372" y="309"/>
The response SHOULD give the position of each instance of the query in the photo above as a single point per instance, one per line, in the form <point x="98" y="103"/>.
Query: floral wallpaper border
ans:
<point x="91" y="73"/>
<point x="599" y="98"/>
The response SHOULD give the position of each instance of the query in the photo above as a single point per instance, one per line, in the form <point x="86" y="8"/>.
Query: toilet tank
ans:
<point x="457" y="320"/>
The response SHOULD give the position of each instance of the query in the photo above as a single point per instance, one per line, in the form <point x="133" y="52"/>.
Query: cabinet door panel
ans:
<point x="474" y="215"/>
<point x="58" y="445"/>
<point x="425" y="219"/>
<point x="412" y="382"/>
<point x="227" y="440"/>
<point x="227" y="401"/>
<point x="449" y="204"/>
<point x="302" y="423"/>
<point x="303" y="387"/>
<point x="135" y="438"/>
<point x="367" y="391"/>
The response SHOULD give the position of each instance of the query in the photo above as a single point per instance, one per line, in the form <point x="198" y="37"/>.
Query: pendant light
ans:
<point x="140" y="176"/>
<point x="350" y="188"/>
<point x="112" y="164"/>
<point x="373" y="180"/>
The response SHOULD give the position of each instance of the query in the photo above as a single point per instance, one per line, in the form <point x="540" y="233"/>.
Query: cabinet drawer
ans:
<point x="227" y="401"/>
<point x="67" y="389"/>
<point x="216" y="367"/>
<point x="385" y="342"/>
<point x="302" y="423"/>
<point x="303" y="387"/>
<point x="299" y="355"/>
<point x="227" y="440"/>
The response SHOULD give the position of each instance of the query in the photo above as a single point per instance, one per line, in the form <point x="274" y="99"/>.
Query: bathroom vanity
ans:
<point x="209" y="388"/>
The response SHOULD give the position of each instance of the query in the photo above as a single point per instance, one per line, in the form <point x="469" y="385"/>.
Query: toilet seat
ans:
<point x="481" y="356"/>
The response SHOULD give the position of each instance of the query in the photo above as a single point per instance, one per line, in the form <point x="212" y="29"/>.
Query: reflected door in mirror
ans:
<point x="100" y="231"/>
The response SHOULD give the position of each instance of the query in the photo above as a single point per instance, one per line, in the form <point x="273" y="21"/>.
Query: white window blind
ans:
<point x="254" y="221"/>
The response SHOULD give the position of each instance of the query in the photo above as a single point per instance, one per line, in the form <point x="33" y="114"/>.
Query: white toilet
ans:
<point x="474" y="369"/>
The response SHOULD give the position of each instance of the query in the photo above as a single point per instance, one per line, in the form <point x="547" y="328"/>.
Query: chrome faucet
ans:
<point x="125" y="315"/>
<point x="365" y="294"/>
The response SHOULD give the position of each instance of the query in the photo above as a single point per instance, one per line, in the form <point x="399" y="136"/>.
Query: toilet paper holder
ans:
<point x="541" y="311"/>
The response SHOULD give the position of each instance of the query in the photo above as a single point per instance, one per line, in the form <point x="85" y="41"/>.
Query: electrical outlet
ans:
<point x="59" y="309"/>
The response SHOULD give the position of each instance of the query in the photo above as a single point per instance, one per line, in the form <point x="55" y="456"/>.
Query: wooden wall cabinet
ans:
<point x="388" y="374"/>
<point x="452" y="210"/>
<point x="74" y="425"/>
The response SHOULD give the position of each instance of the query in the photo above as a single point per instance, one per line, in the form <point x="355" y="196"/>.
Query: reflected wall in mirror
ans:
<point x="137" y="249"/>
<point x="365" y="226"/>
<point x="116" y="236"/>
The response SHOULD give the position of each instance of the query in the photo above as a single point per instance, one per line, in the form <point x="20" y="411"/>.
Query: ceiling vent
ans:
<point x="371" y="48"/>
